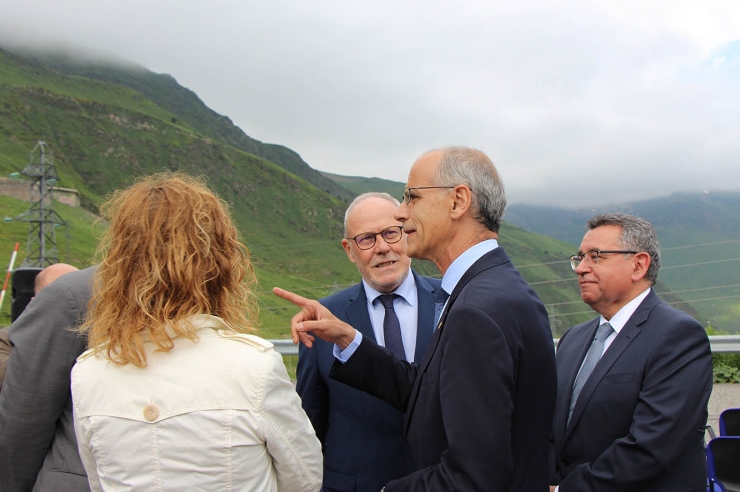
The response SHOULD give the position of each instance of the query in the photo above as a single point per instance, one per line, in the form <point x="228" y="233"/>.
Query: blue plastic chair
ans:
<point x="723" y="463"/>
<point x="729" y="422"/>
<point x="714" y="486"/>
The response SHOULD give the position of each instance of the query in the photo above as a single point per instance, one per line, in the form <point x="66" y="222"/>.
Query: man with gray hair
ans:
<point x="633" y="383"/>
<point x="479" y="407"/>
<point x="38" y="448"/>
<point x="361" y="436"/>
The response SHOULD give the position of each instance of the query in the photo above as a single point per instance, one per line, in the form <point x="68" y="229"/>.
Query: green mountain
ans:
<point x="699" y="235"/>
<point x="187" y="108"/>
<point x="359" y="184"/>
<point x="107" y="125"/>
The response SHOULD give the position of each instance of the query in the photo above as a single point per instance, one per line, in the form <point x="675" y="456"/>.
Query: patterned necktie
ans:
<point x="392" y="327"/>
<point x="592" y="357"/>
<point x="439" y="304"/>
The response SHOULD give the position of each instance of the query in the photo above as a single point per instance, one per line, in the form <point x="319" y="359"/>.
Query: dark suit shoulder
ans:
<point x="343" y="297"/>
<point x="78" y="284"/>
<point x="429" y="283"/>
<point x="665" y="310"/>
<point x="573" y="330"/>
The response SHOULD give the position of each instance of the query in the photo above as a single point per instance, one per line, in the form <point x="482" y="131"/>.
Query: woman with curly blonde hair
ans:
<point x="174" y="393"/>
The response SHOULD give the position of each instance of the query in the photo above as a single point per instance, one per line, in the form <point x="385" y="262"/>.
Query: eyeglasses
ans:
<point x="390" y="235"/>
<point x="407" y="191"/>
<point x="592" y="257"/>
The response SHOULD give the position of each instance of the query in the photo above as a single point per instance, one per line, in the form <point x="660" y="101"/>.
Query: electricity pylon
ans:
<point x="43" y="219"/>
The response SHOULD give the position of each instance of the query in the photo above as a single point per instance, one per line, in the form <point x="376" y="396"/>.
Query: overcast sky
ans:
<point x="577" y="102"/>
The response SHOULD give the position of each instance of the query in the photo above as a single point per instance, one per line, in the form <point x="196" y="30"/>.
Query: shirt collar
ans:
<point x="623" y="315"/>
<point x="407" y="290"/>
<point x="463" y="262"/>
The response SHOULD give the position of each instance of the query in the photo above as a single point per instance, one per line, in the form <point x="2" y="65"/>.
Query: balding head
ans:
<point x="50" y="274"/>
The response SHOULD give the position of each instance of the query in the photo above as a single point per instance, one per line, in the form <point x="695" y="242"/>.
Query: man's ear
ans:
<point x="345" y="245"/>
<point x="462" y="200"/>
<point x="641" y="262"/>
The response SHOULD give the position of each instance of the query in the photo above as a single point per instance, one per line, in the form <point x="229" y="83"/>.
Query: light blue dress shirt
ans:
<point x="407" y="310"/>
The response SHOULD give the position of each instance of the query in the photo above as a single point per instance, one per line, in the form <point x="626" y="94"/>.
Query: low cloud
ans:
<point x="577" y="103"/>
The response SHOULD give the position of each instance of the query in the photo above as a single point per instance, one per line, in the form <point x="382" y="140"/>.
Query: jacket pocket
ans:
<point x="620" y="378"/>
<point x="335" y="481"/>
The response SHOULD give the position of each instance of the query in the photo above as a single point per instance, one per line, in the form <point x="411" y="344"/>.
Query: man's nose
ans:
<point x="583" y="267"/>
<point x="401" y="213"/>
<point x="381" y="246"/>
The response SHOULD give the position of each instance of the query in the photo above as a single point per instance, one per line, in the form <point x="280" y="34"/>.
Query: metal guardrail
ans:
<point x="721" y="344"/>
<point x="285" y="347"/>
<point x="725" y="344"/>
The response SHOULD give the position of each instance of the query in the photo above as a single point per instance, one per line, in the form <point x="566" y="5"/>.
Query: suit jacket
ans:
<point x="638" y="423"/>
<point x="38" y="449"/>
<point x="5" y="348"/>
<point x="361" y="436"/>
<point x="479" y="407"/>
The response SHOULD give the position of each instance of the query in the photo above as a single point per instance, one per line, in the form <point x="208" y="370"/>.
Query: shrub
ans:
<point x="726" y="368"/>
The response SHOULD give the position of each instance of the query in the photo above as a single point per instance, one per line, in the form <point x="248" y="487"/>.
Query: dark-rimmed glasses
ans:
<point x="592" y="257"/>
<point x="407" y="191"/>
<point x="390" y="235"/>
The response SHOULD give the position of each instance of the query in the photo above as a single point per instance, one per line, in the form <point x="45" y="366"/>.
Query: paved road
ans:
<point x="723" y="396"/>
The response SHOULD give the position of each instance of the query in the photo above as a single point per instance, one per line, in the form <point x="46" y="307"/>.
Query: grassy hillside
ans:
<point x="186" y="109"/>
<point x="103" y="135"/>
<point x="699" y="235"/>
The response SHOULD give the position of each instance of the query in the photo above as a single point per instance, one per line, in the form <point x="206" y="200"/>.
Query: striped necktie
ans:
<point x="592" y="357"/>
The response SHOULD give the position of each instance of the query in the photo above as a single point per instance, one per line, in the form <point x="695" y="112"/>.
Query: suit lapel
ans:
<point x="582" y="338"/>
<point x="357" y="315"/>
<point x="489" y="260"/>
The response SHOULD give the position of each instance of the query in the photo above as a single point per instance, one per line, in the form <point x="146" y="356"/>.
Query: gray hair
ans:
<point x="473" y="168"/>
<point x="637" y="235"/>
<point x="362" y="198"/>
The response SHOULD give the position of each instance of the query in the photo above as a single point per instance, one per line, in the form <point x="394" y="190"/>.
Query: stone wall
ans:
<point x="21" y="189"/>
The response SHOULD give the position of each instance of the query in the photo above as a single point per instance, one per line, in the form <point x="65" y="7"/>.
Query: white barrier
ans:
<point x="721" y="344"/>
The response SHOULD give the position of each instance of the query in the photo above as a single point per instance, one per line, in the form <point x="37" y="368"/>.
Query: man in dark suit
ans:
<point x="44" y="278"/>
<point x="479" y="407"/>
<point x="633" y="384"/>
<point x="361" y="436"/>
<point x="38" y="448"/>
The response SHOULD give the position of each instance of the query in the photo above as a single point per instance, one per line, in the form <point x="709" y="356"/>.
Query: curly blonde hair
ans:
<point x="171" y="252"/>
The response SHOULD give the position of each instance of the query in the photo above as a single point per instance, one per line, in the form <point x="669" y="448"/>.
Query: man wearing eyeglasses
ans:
<point x="479" y="407"/>
<point x="633" y="383"/>
<point x="362" y="436"/>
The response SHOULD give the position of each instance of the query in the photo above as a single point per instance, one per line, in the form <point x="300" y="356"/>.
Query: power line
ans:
<point x="553" y="304"/>
<point x="560" y="315"/>
<point x="555" y="315"/>
<point x="699" y="264"/>
<point x="540" y="282"/>
<point x="701" y="245"/>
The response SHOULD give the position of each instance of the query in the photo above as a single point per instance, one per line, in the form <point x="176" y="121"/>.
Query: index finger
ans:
<point x="299" y="301"/>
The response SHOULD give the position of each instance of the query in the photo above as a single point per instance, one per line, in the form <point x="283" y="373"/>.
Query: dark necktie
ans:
<point x="439" y="304"/>
<point x="592" y="357"/>
<point x="392" y="327"/>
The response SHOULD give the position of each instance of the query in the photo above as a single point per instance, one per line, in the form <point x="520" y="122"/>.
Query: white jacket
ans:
<point x="219" y="414"/>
